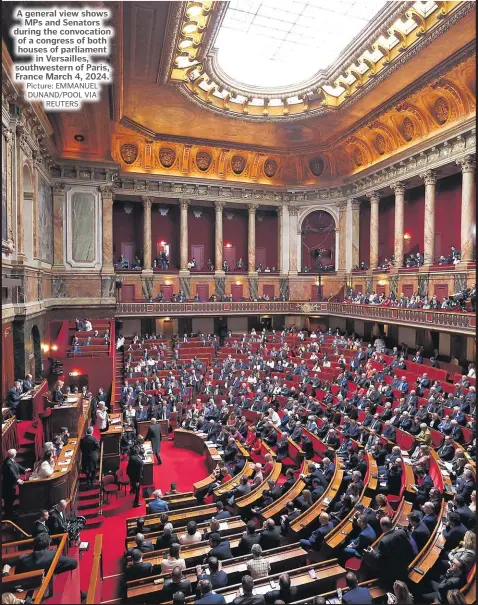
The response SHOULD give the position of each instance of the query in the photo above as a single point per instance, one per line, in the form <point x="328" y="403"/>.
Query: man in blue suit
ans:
<point x="365" y="538"/>
<point x="356" y="595"/>
<point x="317" y="537"/>
<point x="208" y="596"/>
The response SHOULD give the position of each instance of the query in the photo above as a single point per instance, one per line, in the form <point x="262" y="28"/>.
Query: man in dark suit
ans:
<point x="140" y="544"/>
<point x="40" y="525"/>
<point x="154" y="435"/>
<point x="270" y="536"/>
<point x="134" y="471"/>
<point x="248" y="598"/>
<point x="42" y="556"/>
<point x="57" y="521"/>
<point x="177" y="583"/>
<point x="221" y="549"/>
<point x="419" y="531"/>
<point x="28" y="383"/>
<point x="454" y="532"/>
<point x="221" y="512"/>
<point x="11" y="472"/>
<point x="13" y="398"/>
<point x="429" y="515"/>
<point x="138" y="569"/>
<point x="317" y="537"/>
<point x="249" y="538"/>
<point x="467" y="516"/>
<point x="208" y="596"/>
<point x="167" y="538"/>
<point x="447" y="450"/>
<point x="216" y="576"/>
<point x="90" y="452"/>
<point x="286" y="592"/>
<point x="355" y="594"/>
<point x="465" y="485"/>
<point x="393" y="553"/>
<point x="365" y="539"/>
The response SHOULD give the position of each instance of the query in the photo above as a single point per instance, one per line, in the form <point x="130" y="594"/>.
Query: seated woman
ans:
<point x="45" y="467"/>
<point x="383" y="504"/>
<point x="57" y="395"/>
<point x="304" y="501"/>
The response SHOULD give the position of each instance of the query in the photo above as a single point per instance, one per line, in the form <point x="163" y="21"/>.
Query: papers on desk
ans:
<point x="383" y="484"/>
<point x="148" y="459"/>
<point x="63" y="470"/>
<point x="115" y="420"/>
<point x="65" y="463"/>
<point x="404" y="452"/>
<point x="69" y="453"/>
<point x="73" y="442"/>
<point x="220" y="452"/>
<point x="84" y="545"/>
<point x="71" y="399"/>
<point x="223" y="526"/>
<point x="210" y="443"/>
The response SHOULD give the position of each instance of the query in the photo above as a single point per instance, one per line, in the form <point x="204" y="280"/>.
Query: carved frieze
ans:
<point x="167" y="156"/>
<point x="317" y="166"/>
<point x="238" y="164"/>
<point x="408" y="129"/>
<point x="441" y="110"/>
<point x="203" y="160"/>
<point x="270" y="167"/>
<point x="129" y="153"/>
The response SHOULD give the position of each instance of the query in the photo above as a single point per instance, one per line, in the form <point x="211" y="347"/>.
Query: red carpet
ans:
<point x="183" y="467"/>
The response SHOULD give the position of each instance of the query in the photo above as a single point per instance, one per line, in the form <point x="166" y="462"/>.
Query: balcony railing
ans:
<point x="447" y="321"/>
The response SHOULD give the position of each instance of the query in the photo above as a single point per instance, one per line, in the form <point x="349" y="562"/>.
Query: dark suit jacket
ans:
<point x="137" y="570"/>
<point x="211" y="599"/>
<point x="394" y="553"/>
<point x="467" y="516"/>
<point x="420" y="534"/>
<point x="165" y="541"/>
<point x="221" y="552"/>
<point x="171" y="587"/>
<point x="42" y="559"/>
<point x="247" y="542"/>
<point x="357" y="596"/>
<point x="218" y="579"/>
<point x="11" y="472"/>
<point x="270" y="538"/>
<point x="453" y="536"/>
<point x="39" y="528"/>
<point x="154" y="435"/>
<point x="13" y="398"/>
<point x="90" y="452"/>
<point x="56" y="524"/>
<point x="430" y="521"/>
<point x="135" y="468"/>
<point x="287" y="596"/>
<point x="57" y="396"/>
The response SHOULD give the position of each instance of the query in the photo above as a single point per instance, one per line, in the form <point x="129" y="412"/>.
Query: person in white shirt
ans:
<point x="471" y="371"/>
<point x="88" y="326"/>
<point x="274" y="417"/>
<point x="101" y="416"/>
<point x="192" y="535"/>
<point x="313" y="335"/>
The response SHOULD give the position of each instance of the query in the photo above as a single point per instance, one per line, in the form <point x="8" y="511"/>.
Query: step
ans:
<point x="88" y="490"/>
<point x="91" y="512"/>
<point x="89" y="503"/>
<point x="94" y="521"/>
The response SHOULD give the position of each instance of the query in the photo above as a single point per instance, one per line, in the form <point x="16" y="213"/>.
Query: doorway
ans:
<point x="236" y="291"/>
<point x="229" y="255"/>
<point x="197" y="252"/>
<point x="127" y="251"/>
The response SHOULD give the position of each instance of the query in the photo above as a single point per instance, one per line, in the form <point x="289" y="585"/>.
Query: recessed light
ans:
<point x="79" y="137"/>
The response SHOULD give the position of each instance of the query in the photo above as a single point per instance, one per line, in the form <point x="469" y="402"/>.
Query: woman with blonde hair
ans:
<point x="400" y="594"/>
<point x="472" y="504"/>
<point x="8" y="598"/>
<point x="305" y="501"/>
<point x="466" y="552"/>
<point x="57" y="395"/>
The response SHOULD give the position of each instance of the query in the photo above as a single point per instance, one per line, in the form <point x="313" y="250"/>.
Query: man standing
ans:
<point x="13" y="398"/>
<point x="90" y="451"/>
<point x="57" y="522"/>
<point x="154" y="435"/>
<point x="11" y="472"/>
<point x="134" y="471"/>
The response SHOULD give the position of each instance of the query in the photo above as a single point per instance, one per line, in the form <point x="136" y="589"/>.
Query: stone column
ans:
<point x="251" y="239"/>
<point x="468" y="215"/>
<point x="183" y="235"/>
<point x="280" y="232"/>
<point x="342" y="236"/>
<point x="219" y="239"/>
<point x="147" y="201"/>
<point x="354" y="205"/>
<point x="374" y="202"/>
<point x="430" y="179"/>
<point x="399" y="189"/>
<point x="293" y="219"/>
<point x="59" y="226"/>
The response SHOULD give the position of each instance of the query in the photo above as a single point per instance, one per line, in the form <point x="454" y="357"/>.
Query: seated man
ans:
<point x="365" y="539"/>
<point x="42" y="556"/>
<point x="158" y="505"/>
<point x="221" y="549"/>
<point x="216" y="575"/>
<point x="177" y="583"/>
<point x="317" y="537"/>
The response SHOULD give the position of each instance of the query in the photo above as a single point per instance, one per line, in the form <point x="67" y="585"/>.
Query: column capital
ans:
<point x="184" y="203"/>
<point x="59" y="188"/>
<point x="342" y="206"/>
<point x="398" y="188"/>
<point x="280" y="210"/>
<point x="429" y="177"/>
<point x="219" y="206"/>
<point x="107" y="191"/>
<point x="293" y="210"/>
<point x="354" y="202"/>
<point x="468" y="163"/>
<point x="147" y="201"/>
<point x="374" y="197"/>
<point x="252" y="208"/>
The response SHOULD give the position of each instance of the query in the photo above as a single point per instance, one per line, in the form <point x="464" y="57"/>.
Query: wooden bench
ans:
<point x="176" y="501"/>
<point x="246" y="471"/>
<point x="249" y="499"/>
<point x="429" y="554"/>
<point x="274" y="509"/>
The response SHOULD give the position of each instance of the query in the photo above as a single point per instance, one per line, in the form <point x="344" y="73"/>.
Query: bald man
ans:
<point x="11" y="472"/>
<point x="154" y="435"/>
<point x="57" y="521"/>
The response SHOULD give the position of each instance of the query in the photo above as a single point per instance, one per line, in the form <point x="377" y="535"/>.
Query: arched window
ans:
<point x="318" y="241"/>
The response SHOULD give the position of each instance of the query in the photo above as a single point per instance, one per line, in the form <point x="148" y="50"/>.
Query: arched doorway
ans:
<point x="318" y="241"/>
<point x="37" y="352"/>
<point x="27" y="213"/>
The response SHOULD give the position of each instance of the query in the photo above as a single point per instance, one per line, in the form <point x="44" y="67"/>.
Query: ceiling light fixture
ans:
<point x="407" y="236"/>
<point x="79" y="137"/>
<point x="194" y="9"/>
<point x="190" y="28"/>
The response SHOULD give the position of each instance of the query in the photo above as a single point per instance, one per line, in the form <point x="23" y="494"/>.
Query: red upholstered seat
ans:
<point x="353" y="563"/>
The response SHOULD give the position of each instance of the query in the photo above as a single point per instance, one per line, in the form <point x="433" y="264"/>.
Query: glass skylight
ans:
<point x="271" y="43"/>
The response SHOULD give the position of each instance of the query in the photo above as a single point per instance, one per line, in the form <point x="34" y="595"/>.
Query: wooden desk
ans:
<point x="429" y="554"/>
<point x="177" y="517"/>
<point x="249" y="499"/>
<point x="229" y="527"/>
<point x="143" y="426"/>
<point x="327" y="573"/>
<point x="67" y="414"/>
<point x="32" y="402"/>
<point x="307" y="517"/>
<point x="62" y="485"/>
<point x="279" y="558"/>
<point x="189" y="440"/>
<point x="178" y="501"/>
<point x="246" y="471"/>
<point x="375" y="591"/>
<point x="277" y="507"/>
<point x="148" y="466"/>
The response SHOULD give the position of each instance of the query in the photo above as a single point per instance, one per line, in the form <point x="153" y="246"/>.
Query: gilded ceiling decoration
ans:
<point x="393" y="37"/>
<point x="438" y="105"/>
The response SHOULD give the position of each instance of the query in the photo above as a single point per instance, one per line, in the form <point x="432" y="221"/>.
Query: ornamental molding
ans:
<point x="453" y="150"/>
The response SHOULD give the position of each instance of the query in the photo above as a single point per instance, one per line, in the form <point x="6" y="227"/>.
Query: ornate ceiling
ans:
<point x="153" y="120"/>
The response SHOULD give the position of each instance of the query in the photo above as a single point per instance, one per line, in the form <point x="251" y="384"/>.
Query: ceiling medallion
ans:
<point x="270" y="167"/>
<point x="317" y="166"/>
<point x="441" y="110"/>
<point x="358" y="157"/>
<point x="380" y="144"/>
<point x="203" y="160"/>
<point x="167" y="156"/>
<point x="408" y="129"/>
<point x="238" y="163"/>
<point x="129" y="153"/>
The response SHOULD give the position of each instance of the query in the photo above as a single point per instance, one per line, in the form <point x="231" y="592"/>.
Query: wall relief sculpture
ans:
<point x="441" y="110"/>
<point x="317" y="166"/>
<point x="270" y="167"/>
<point x="408" y="129"/>
<point x="380" y="144"/>
<point x="45" y="220"/>
<point x="129" y="153"/>
<point x="238" y="163"/>
<point x="167" y="156"/>
<point x="203" y="160"/>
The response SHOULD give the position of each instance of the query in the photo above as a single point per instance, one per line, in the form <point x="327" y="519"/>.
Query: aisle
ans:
<point x="179" y="465"/>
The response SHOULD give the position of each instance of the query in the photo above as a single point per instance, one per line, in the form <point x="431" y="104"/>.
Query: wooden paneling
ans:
<point x="268" y="290"/>
<point x="441" y="291"/>
<point x="8" y="375"/>
<point x="127" y="293"/>
<point x="202" y="290"/>
<point x="236" y="291"/>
